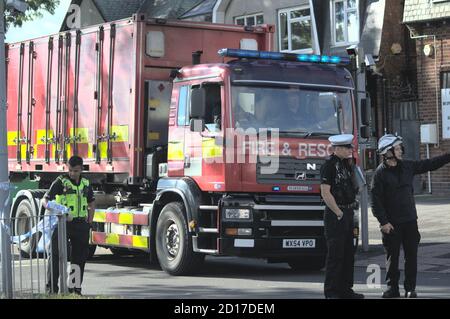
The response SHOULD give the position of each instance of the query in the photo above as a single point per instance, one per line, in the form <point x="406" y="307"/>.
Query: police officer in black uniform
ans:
<point x="338" y="191"/>
<point x="394" y="206"/>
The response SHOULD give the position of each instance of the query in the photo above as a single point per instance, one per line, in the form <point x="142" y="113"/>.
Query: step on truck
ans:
<point x="197" y="138"/>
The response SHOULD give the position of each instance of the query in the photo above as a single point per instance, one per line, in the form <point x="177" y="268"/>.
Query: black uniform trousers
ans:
<point x="340" y="254"/>
<point x="77" y="250"/>
<point x="408" y="236"/>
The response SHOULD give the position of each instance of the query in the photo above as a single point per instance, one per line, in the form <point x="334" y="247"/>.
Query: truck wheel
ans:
<point x="307" y="263"/>
<point x="173" y="243"/>
<point x="24" y="222"/>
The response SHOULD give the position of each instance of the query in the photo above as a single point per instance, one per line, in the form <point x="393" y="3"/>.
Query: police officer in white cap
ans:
<point x="339" y="191"/>
<point x="394" y="206"/>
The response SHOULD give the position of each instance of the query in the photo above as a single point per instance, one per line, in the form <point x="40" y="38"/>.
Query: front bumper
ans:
<point x="269" y="248"/>
<point x="272" y="224"/>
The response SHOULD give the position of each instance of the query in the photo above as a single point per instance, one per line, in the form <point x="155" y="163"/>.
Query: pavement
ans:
<point x="434" y="248"/>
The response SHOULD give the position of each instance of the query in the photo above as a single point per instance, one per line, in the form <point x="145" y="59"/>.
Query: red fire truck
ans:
<point x="218" y="155"/>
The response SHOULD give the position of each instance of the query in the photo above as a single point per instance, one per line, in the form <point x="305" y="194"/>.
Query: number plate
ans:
<point x="299" y="243"/>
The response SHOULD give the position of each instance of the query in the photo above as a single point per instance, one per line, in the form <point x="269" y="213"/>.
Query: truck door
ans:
<point x="177" y="128"/>
<point x="157" y="99"/>
<point x="204" y="151"/>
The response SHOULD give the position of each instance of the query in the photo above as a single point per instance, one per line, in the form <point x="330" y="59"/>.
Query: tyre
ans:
<point x="307" y="263"/>
<point x="173" y="242"/>
<point x="24" y="222"/>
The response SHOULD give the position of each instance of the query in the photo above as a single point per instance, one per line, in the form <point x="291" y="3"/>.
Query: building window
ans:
<point x="250" y="20"/>
<point x="445" y="80"/>
<point x="295" y="30"/>
<point x="345" y="21"/>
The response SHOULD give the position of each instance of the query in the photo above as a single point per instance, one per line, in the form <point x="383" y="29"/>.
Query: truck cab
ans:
<point x="251" y="136"/>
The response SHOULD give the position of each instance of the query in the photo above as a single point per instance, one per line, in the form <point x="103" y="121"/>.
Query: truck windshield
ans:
<point x="292" y="110"/>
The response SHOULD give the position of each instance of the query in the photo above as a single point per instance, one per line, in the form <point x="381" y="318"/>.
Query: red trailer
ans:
<point x="161" y="135"/>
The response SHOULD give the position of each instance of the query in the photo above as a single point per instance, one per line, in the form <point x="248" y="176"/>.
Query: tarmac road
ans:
<point x="228" y="277"/>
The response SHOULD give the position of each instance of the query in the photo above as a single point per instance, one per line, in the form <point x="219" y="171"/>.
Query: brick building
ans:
<point x="429" y="25"/>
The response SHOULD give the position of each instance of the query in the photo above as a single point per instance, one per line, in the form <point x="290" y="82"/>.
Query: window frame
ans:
<point x="445" y="79"/>
<point x="245" y="17"/>
<point x="311" y="18"/>
<point x="333" y="23"/>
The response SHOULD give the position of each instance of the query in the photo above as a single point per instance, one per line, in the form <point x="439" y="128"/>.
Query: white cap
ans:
<point x="341" y="140"/>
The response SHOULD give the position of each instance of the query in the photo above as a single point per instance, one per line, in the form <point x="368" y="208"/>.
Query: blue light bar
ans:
<point x="268" y="55"/>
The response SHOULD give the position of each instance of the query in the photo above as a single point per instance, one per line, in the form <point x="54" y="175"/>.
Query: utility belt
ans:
<point x="79" y="220"/>
<point x="354" y="205"/>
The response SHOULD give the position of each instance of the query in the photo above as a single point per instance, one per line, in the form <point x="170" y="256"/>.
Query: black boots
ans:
<point x="410" y="294"/>
<point x="391" y="293"/>
<point x="394" y="293"/>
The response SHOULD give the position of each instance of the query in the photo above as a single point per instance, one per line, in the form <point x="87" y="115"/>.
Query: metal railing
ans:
<point x="26" y="245"/>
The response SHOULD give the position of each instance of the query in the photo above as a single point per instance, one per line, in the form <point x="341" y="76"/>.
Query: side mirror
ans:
<point x="364" y="131"/>
<point x="365" y="112"/>
<point x="197" y="108"/>
<point x="197" y="125"/>
<point x="369" y="158"/>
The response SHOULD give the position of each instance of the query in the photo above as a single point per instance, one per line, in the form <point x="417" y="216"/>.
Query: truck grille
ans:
<point x="292" y="171"/>
<point x="292" y="215"/>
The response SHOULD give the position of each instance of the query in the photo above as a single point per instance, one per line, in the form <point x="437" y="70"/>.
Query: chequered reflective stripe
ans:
<point x="100" y="216"/>
<point x="129" y="241"/>
<point x="123" y="217"/>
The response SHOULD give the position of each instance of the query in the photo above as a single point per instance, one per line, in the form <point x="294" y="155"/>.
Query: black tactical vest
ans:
<point x="343" y="187"/>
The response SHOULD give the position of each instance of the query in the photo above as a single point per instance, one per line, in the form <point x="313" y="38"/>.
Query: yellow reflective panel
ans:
<point x="126" y="218"/>
<point x="102" y="148"/>
<point x="113" y="239"/>
<point x="153" y="136"/>
<point x="210" y="149"/>
<point x="121" y="132"/>
<point x="90" y="151"/>
<point x="41" y="136"/>
<point x="100" y="216"/>
<point x="175" y="151"/>
<point x="140" y="241"/>
<point x="23" y="150"/>
<point x="83" y="134"/>
<point x="12" y="136"/>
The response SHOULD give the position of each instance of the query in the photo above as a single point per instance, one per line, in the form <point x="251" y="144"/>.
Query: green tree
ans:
<point x="35" y="9"/>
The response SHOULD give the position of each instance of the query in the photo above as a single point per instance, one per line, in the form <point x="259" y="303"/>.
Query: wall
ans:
<point x="394" y="80"/>
<point x="267" y="7"/>
<point x="427" y="80"/>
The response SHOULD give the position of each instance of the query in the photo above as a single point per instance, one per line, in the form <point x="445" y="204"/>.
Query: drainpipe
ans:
<point x="414" y="37"/>
<point x="385" y="106"/>
<point x="216" y="12"/>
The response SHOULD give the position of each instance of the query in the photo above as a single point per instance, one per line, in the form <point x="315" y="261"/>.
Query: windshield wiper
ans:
<point x="294" y="133"/>
<point x="326" y="134"/>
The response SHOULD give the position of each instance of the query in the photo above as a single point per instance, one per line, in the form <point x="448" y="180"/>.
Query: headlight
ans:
<point x="237" y="213"/>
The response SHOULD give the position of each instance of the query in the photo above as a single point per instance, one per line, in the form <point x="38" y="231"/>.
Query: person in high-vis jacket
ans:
<point x="75" y="192"/>
<point x="394" y="206"/>
<point x="338" y="190"/>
